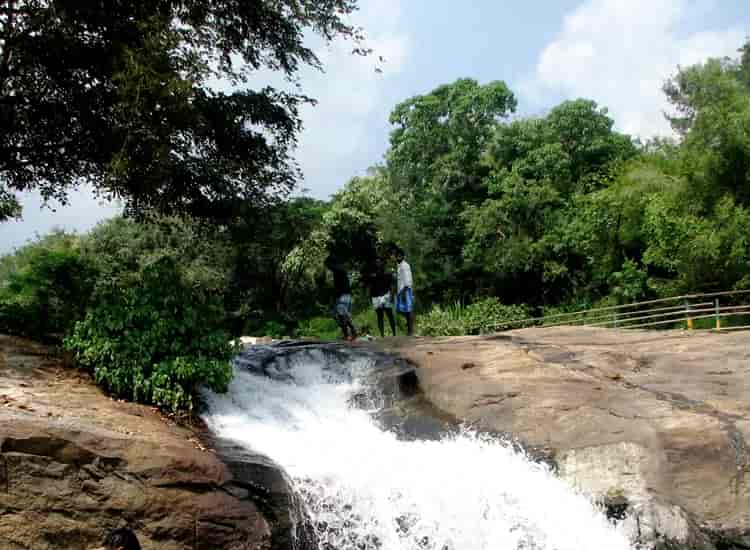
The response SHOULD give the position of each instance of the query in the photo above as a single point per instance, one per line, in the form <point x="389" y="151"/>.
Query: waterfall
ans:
<point x="367" y="487"/>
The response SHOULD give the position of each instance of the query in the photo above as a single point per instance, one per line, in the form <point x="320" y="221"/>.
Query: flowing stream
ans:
<point x="366" y="486"/>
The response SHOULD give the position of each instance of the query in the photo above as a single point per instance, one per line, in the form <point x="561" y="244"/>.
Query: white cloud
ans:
<point x="620" y="52"/>
<point x="82" y="213"/>
<point x="337" y="137"/>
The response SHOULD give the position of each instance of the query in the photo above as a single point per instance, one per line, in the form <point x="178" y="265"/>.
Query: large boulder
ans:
<point x="75" y="464"/>
<point x="652" y="424"/>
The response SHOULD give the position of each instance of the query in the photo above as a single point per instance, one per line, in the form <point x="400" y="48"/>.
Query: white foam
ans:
<point x="367" y="489"/>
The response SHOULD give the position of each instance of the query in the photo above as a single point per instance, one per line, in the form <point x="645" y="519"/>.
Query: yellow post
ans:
<point x="689" y="319"/>
<point x="718" y="318"/>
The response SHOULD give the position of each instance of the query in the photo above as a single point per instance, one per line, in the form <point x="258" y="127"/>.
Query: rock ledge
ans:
<point x="659" y="420"/>
<point x="75" y="464"/>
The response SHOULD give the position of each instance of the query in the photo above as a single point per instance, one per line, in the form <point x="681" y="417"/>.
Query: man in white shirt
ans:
<point x="405" y="292"/>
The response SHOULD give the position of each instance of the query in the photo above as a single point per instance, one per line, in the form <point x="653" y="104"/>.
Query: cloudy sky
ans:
<point x="617" y="52"/>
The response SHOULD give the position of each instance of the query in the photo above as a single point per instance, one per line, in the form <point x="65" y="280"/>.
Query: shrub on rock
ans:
<point x="156" y="338"/>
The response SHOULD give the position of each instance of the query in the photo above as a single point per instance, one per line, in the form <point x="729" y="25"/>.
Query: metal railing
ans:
<point x="675" y="312"/>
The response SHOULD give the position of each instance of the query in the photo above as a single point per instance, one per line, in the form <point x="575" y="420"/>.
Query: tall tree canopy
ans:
<point x="712" y="100"/>
<point x="116" y="93"/>
<point x="536" y="168"/>
<point x="435" y="169"/>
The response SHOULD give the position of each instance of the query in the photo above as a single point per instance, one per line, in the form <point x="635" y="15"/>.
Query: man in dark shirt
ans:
<point x="380" y="284"/>
<point x="342" y="309"/>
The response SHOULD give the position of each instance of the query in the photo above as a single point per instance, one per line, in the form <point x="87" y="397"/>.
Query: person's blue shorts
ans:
<point x="342" y="310"/>
<point x="405" y="301"/>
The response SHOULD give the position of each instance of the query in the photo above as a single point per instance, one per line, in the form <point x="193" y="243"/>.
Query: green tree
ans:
<point x="118" y="94"/>
<point x="712" y="103"/>
<point x="45" y="286"/>
<point x="271" y="279"/>
<point x="351" y="229"/>
<point x="121" y="249"/>
<point x="9" y="206"/>
<point x="537" y="169"/>
<point x="434" y="171"/>
<point x="155" y="325"/>
<point x="353" y="219"/>
<point x="155" y="339"/>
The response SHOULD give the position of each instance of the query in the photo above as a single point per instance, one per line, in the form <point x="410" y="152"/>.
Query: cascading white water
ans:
<point x="365" y="488"/>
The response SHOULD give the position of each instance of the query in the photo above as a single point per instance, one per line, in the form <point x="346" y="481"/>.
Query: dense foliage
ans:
<point x="126" y="96"/>
<point x="155" y="339"/>
<point x="562" y="211"/>
<point x="122" y="94"/>
<point x="44" y="287"/>
<point x="142" y="305"/>
<point x="503" y="219"/>
<point x="480" y="317"/>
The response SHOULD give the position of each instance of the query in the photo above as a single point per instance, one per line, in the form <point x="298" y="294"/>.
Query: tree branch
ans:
<point x="6" y="54"/>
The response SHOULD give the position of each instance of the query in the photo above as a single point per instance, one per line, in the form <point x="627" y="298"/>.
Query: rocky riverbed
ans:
<point x="75" y="464"/>
<point x="652" y="424"/>
<point x="655" y="423"/>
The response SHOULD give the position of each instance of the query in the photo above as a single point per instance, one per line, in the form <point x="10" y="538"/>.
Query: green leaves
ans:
<point x="482" y="316"/>
<point x="156" y="339"/>
<point x="518" y="237"/>
<point x="438" y="138"/>
<point x="435" y="170"/>
<point x="45" y="286"/>
<point x="712" y="101"/>
<point x="629" y="284"/>
<point x="9" y="206"/>
<point x="700" y="252"/>
<point x="119" y="95"/>
<point x="140" y="304"/>
<point x="562" y="208"/>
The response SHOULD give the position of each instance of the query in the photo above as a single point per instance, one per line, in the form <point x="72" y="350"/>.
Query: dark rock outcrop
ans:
<point x="75" y="464"/>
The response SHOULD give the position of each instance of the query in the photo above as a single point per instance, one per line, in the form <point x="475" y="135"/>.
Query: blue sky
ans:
<point x="617" y="52"/>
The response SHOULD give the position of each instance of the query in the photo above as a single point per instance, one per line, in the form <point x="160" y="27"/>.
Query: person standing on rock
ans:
<point x="405" y="292"/>
<point x="380" y="284"/>
<point x="342" y="309"/>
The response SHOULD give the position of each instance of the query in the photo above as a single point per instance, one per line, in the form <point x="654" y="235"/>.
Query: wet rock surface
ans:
<point x="660" y="420"/>
<point x="653" y="425"/>
<point x="389" y="385"/>
<point x="75" y="464"/>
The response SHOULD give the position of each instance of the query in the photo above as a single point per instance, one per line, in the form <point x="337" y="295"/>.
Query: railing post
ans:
<point x="718" y="317"/>
<point x="614" y="318"/>
<point x="687" y="314"/>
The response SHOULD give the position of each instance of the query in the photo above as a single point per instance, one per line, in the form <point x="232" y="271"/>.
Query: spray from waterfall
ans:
<point x="366" y="488"/>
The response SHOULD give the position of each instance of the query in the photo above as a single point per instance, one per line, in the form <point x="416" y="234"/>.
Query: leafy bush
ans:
<point x="443" y="321"/>
<point x="629" y="284"/>
<point x="121" y="248"/>
<point x="490" y="315"/>
<point x="483" y="316"/>
<point x="366" y="322"/>
<point x="156" y="339"/>
<point x="45" y="286"/>
<point x="274" y="329"/>
<point x="324" y="328"/>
